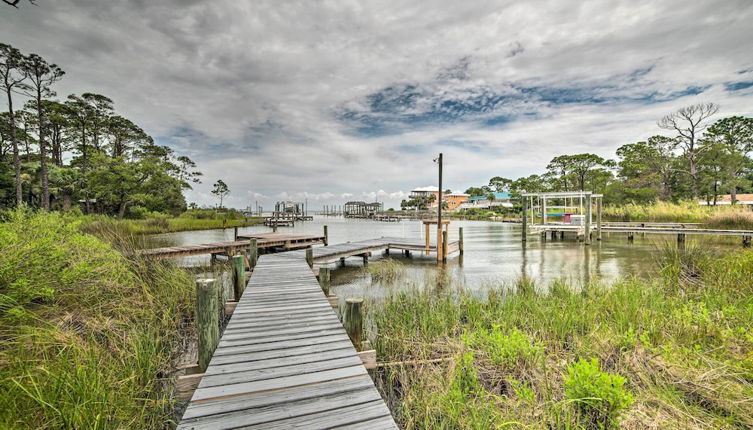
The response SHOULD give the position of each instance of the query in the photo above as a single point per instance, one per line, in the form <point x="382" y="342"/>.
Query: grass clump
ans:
<point x="599" y="396"/>
<point x="673" y="351"/>
<point x="731" y="220"/>
<point x="660" y="211"/>
<point x="387" y="270"/>
<point x="87" y="336"/>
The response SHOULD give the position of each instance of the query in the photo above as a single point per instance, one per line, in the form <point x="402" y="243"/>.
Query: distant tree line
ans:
<point x="55" y="154"/>
<point x="697" y="159"/>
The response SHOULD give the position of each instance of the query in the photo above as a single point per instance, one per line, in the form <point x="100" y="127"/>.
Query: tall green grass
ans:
<point x="164" y="224"/>
<point x="675" y="351"/>
<point x="688" y="211"/>
<point x="87" y="337"/>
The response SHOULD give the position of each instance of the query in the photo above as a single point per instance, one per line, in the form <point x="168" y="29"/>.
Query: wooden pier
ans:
<point x="365" y="248"/>
<point x="285" y="361"/>
<point x="265" y="241"/>
<point x="630" y="230"/>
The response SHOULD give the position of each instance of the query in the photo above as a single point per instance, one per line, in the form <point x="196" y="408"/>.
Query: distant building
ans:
<point x="742" y="199"/>
<point x="454" y="200"/>
<point x="485" y="202"/>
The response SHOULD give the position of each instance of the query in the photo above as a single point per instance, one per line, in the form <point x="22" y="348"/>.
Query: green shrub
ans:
<point x="600" y="397"/>
<point x="511" y="349"/>
<point x="386" y="270"/>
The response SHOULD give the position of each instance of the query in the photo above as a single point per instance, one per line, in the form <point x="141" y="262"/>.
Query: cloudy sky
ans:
<point x="341" y="100"/>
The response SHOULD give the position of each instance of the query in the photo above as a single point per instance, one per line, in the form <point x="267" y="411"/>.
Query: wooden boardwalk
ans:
<point x="285" y="361"/>
<point x="332" y="253"/>
<point x="264" y="241"/>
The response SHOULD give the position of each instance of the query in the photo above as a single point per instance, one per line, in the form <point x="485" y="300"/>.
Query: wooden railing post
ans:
<point x="239" y="276"/>
<point x="353" y="321"/>
<point x="207" y="320"/>
<point x="253" y="253"/>
<point x="324" y="279"/>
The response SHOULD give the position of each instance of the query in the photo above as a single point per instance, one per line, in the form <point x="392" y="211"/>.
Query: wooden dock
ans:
<point x="265" y="241"/>
<point x="285" y="361"/>
<point x="365" y="248"/>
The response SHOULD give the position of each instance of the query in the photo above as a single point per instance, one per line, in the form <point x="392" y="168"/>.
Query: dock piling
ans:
<point x="681" y="241"/>
<point x="207" y="320"/>
<point x="525" y="222"/>
<point x="587" y="232"/>
<point x="352" y="320"/>
<point x="235" y="233"/>
<point x="326" y="236"/>
<point x="310" y="257"/>
<point x="746" y="241"/>
<point x="253" y="252"/>
<point x="239" y="276"/>
<point x="460" y="240"/>
<point x="324" y="279"/>
<point x="445" y="243"/>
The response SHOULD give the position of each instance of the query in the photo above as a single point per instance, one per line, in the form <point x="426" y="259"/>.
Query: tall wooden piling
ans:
<point x="324" y="279"/>
<point x="310" y="257"/>
<point x="461" y="247"/>
<point x="235" y="233"/>
<point x="681" y="241"/>
<point x="253" y="253"/>
<point x="353" y="321"/>
<point x="525" y="219"/>
<point x="598" y="217"/>
<point x="207" y="320"/>
<point x="587" y="231"/>
<point x="326" y="236"/>
<point x="444" y="245"/>
<point x="239" y="276"/>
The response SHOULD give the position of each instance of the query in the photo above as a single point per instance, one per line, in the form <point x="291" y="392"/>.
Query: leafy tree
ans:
<point x="578" y="169"/>
<point x="688" y="123"/>
<point x="41" y="76"/>
<point x="648" y="165"/>
<point x="477" y="191"/>
<point x="500" y="184"/>
<point x="220" y="190"/>
<point x="12" y="75"/>
<point x="736" y="133"/>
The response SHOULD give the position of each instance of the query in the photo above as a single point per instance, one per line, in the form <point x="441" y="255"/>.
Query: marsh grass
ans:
<point x="162" y="224"/>
<point x="673" y="351"/>
<point x="688" y="211"/>
<point x="734" y="220"/>
<point x="88" y="336"/>
<point x="387" y="270"/>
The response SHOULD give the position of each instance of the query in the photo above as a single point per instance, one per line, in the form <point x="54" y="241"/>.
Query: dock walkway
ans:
<point x="264" y="241"/>
<point x="285" y="361"/>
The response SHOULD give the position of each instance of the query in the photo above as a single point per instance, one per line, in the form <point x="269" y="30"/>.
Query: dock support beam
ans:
<point x="310" y="257"/>
<point x="207" y="321"/>
<point x="326" y="236"/>
<point x="239" y="276"/>
<point x="353" y="321"/>
<point x="253" y="253"/>
<point x="324" y="279"/>
<point x="461" y="247"/>
<point x="525" y="219"/>
<point x="587" y="232"/>
<point x="598" y="218"/>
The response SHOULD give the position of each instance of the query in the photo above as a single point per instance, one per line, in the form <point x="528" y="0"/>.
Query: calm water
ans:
<point x="494" y="254"/>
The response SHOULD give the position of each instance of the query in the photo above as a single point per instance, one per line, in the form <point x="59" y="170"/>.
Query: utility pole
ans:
<point x="440" y="257"/>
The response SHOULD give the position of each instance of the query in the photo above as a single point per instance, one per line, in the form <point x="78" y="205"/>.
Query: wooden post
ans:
<point x="207" y="320"/>
<point x="326" y="236"/>
<point x="253" y="253"/>
<point x="428" y="242"/>
<point x="365" y="259"/>
<point x="630" y="237"/>
<point x="239" y="276"/>
<point x="353" y="321"/>
<point x="444" y="245"/>
<point x="543" y="209"/>
<point x="310" y="257"/>
<point x="274" y="226"/>
<point x="235" y="233"/>
<point x="681" y="241"/>
<point x="746" y="241"/>
<point x="525" y="219"/>
<point x="460" y="240"/>
<point x="587" y="231"/>
<point x="324" y="279"/>
<point x="598" y="217"/>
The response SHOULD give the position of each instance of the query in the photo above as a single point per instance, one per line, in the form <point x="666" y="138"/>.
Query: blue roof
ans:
<point x="497" y="196"/>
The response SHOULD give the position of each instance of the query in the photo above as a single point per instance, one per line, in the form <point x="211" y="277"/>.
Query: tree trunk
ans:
<point x="693" y="177"/>
<point x="121" y="209"/>
<point x="733" y="194"/>
<point x="16" y="156"/>
<point x="42" y="154"/>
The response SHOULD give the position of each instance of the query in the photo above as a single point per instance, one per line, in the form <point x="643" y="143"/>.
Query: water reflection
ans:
<point x="494" y="255"/>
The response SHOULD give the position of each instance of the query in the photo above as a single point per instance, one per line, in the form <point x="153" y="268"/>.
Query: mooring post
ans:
<point x="239" y="276"/>
<point x="444" y="245"/>
<point x="598" y="217"/>
<point x="253" y="253"/>
<point x="353" y="321"/>
<point x="207" y="320"/>
<point x="310" y="257"/>
<point x="326" y="236"/>
<point x="681" y="241"/>
<point x="461" y="248"/>
<point x="525" y="219"/>
<point x="324" y="279"/>
<point x="235" y="233"/>
<point x="587" y="232"/>
<point x="428" y="241"/>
